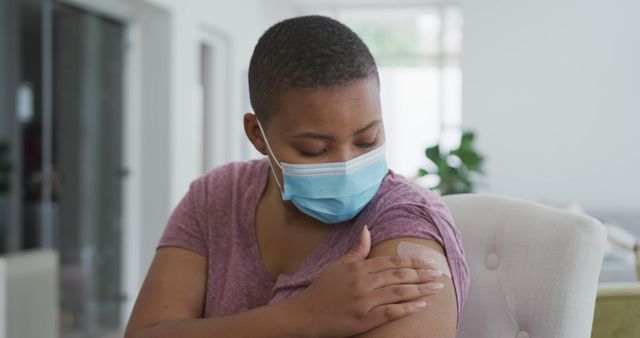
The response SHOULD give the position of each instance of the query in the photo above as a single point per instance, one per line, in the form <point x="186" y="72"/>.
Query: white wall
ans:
<point x="147" y="139"/>
<point x="163" y="122"/>
<point x="551" y="87"/>
<point x="241" y="22"/>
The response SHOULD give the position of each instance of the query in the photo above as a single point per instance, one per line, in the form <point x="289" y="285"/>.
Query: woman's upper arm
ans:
<point x="440" y="316"/>
<point x="174" y="289"/>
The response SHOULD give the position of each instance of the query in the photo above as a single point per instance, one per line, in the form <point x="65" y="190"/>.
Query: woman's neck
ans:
<point x="285" y="210"/>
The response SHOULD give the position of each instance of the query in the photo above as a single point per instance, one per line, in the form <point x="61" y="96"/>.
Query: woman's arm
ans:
<point x="440" y="316"/>
<point x="171" y="304"/>
<point x="349" y="296"/>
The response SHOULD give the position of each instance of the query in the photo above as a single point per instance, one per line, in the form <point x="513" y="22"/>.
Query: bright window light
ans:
<point x="417" y="51"/>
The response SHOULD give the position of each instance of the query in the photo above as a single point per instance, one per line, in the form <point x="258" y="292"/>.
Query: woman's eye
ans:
<point x="367" y="145"/>
<point x="311" y="154"/>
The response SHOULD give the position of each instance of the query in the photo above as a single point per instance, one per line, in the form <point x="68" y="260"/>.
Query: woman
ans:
<point x="307" y="241"/>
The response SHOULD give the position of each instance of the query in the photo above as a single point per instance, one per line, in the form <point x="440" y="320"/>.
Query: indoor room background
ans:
<point x="110" y="108"/>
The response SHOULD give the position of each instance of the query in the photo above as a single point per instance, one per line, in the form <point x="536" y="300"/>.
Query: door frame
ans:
<point x="130" y="264"/>
<point x="215" y="130"/>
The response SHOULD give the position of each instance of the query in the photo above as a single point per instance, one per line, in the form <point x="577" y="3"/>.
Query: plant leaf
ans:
<point x="466" y="141"/>
<point x="433" y="154"/>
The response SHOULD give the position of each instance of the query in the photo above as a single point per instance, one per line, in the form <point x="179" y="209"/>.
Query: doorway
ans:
<point x="62" y="132"/>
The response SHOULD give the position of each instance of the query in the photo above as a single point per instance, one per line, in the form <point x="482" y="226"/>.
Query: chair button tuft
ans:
<point x="492" y="262"/>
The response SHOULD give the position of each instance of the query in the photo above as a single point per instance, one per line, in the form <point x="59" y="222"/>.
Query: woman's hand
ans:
<point x="354" y="295"/>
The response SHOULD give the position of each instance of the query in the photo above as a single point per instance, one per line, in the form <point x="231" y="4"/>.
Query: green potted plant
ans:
<point x="456" y="169"/>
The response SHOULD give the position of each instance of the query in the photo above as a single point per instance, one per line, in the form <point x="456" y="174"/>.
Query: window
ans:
<point x="417" y="51"/>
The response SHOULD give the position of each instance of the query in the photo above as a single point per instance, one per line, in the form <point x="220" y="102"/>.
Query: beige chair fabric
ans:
<point x="534" y="269"/>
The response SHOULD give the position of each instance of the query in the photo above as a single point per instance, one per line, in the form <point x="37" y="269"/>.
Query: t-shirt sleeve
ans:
<point x="404" y="219"/>
<point x="185" y="228"/>
<point x="424" y="216"/>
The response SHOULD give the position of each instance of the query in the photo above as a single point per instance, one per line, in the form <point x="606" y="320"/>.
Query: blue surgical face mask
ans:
<point x="331" y="192"/>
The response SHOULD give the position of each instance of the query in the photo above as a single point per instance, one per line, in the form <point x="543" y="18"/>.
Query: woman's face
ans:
<point x="322" y="125"/>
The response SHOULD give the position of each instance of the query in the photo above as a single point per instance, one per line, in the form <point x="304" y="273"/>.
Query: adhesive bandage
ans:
<point x="425" y="252"/>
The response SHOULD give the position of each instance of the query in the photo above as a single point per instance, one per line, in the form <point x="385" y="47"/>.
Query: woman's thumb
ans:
<point x="361" y="250"/>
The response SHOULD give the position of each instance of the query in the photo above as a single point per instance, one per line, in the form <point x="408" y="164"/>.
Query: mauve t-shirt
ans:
<point x="216" y="218"/>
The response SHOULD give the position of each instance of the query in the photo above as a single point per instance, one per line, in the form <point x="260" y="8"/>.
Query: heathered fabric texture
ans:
<point x="216" y="218"/>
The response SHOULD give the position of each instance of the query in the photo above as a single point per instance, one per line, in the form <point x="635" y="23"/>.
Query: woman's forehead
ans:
<point x="351" y="106"/>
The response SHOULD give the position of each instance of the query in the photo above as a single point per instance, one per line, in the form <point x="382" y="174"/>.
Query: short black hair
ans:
<point x="305" y="52"/>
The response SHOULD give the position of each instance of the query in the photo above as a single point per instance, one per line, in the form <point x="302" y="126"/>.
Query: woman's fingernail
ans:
<point x="434" y="273"/>
<point x="433" y="286"/>
<point x="419" y="304"/>
<point x="427" y="262"/>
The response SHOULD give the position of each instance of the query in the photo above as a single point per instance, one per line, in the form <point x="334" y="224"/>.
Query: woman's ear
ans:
<point x="252" y="130"/>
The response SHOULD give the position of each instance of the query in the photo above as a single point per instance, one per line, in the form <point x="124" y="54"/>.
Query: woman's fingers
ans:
<point x="399" y="276"/>
<point x="388" y="312"/>
<point x="364" y="294"/>
<point x="404" y="292"/>
<point x="377" y="264"/>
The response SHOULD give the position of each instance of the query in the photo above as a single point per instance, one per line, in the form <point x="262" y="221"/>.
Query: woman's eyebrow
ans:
<point x="315" y="136"/>
<point x="361" y="130"/>
<point x="318" y="136"/>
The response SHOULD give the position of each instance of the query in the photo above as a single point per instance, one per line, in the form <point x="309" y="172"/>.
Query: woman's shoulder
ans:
<point x="402" y="208"/>
<point x="398" y="190"/>
<point x="232" y="179"/>
<point x="233" y="174"/>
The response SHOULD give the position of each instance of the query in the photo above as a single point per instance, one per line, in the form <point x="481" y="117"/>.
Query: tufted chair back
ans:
<point x="534" y="269"/>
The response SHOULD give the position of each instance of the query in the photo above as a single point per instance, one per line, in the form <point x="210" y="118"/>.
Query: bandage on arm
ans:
<point x="413" y="249"/>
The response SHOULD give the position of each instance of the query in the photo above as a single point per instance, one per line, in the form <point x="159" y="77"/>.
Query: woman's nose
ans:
<point x="344" y="154"/>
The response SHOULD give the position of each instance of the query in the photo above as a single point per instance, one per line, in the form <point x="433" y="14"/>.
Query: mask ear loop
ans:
<point x="264" y="136"/>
